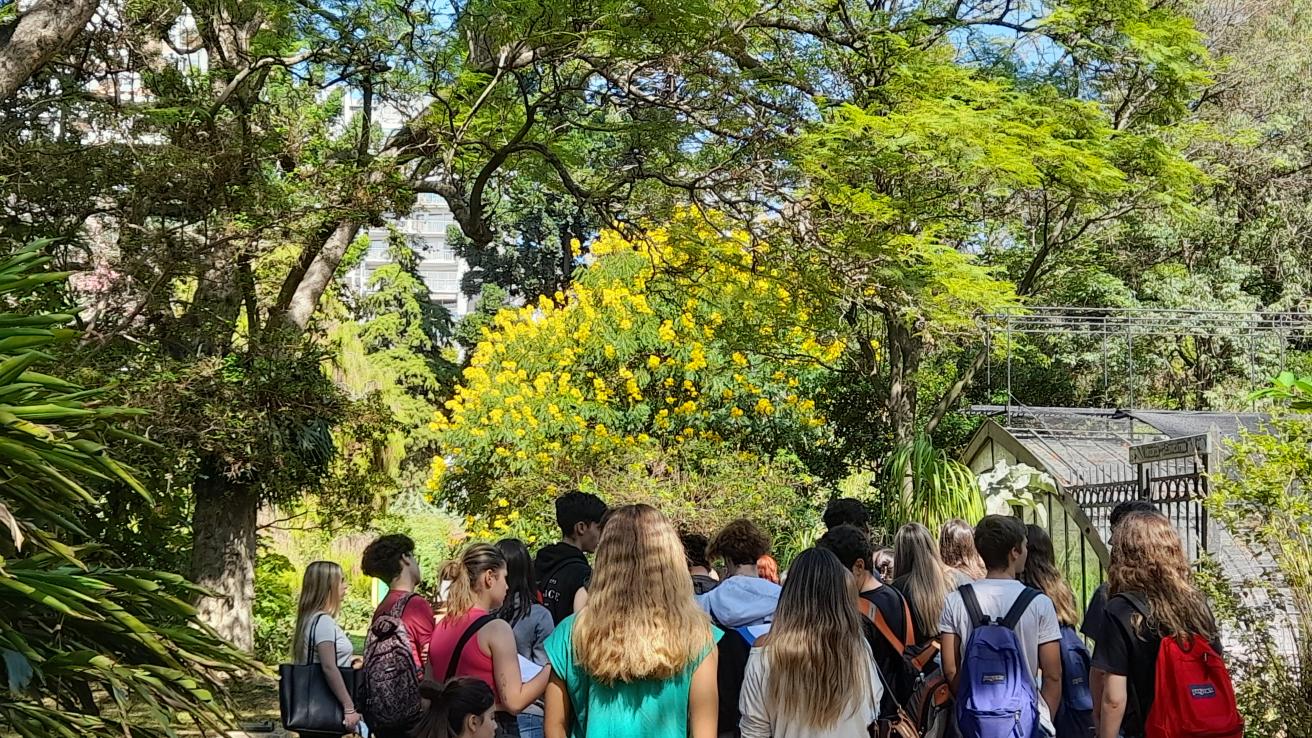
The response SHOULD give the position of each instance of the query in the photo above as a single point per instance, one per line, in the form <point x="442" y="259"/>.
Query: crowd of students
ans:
<point x="970" y="632"/>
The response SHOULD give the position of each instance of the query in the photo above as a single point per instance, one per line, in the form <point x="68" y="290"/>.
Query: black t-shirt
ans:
<point x="1131" y="651"/>
<point x="1093" y="615"/>
<point x="733" y="651"/>
<point x="889" y="602"/>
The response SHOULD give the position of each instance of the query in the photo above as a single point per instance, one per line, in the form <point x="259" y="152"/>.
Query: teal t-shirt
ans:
<point x="648" y="708"/>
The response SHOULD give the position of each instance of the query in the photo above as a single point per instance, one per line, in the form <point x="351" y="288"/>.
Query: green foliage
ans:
<point x="389" y="357"/>
<point x="129" y="656"/>
<point x="673" y="337"/>
<point x="924" y="484"/>
<point x="275" y="606"/>
<point x="1293" y="390"/>
<point x="1272" y="691"/>
<point x="1265" y="500"/>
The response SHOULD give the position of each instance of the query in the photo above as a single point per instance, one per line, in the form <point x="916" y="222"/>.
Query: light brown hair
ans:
<point x="320" y="592"/>
<point x="641" y="621"/>
<point x="1041" y="573"/>
<point x="956" y="544"/>
<point x="463" y="572"/>
<point x="915" y="556"/>
<point x="818" y="655"/>
<point x="1148" y="558"/>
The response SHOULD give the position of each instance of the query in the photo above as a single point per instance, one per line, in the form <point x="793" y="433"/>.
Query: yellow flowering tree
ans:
<point x="675" y="347"/>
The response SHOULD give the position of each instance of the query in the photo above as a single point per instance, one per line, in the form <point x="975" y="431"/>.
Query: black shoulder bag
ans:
<point x="306" y="701"/>
<point x="470" y="632"/>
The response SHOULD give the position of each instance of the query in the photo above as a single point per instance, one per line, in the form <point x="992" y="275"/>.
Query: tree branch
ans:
<point x="37" y="36"/>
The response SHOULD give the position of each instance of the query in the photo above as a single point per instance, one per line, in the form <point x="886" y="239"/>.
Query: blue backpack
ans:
<point x="1075" y="716"/>
<point x="996" y="697"/>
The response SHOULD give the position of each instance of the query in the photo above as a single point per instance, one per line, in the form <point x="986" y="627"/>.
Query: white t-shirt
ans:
<point x="326" y="630"/>
<point x="1037" y="626"/>
<point x="760" y="719"/>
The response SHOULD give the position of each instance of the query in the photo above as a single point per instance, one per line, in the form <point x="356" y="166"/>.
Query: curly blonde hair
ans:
<point x="641" y="621"/>
<point x="1148" y="558"/>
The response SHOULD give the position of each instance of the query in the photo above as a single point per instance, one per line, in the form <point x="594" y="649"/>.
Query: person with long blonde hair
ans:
<point x="470" y="640"/>
<point x="813" y="675"/>
<point x="956" y="544"/>
<point x="319" y="639"/>
<point x="1152" y="596"/>
<point x="639" y="660"/>
<point x="920" y="575"/>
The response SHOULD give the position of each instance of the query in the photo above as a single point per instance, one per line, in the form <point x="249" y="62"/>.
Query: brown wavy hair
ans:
<point x="1148" y="558"/>
<point x="956" y="544"/>
<point x="739" y="543"/>
<point x="818" y="655"/>
<point x="1042" y="574"/>
<point x="641" y="621"/>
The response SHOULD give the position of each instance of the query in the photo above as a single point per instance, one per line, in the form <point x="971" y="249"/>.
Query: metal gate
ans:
<point x="1174" y="476"/>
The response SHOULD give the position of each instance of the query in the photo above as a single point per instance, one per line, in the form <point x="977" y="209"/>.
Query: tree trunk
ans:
<point x="305" y="299"/>
<point x="904" y="351"/>
<point x="36" y="36"/>
<point x="223" y="556"/>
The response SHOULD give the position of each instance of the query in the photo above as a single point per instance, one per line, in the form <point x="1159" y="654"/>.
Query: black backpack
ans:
<point x="391" y="679"/>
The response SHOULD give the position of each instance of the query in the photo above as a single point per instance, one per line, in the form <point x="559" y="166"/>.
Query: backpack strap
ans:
<point x="309" y="640"/>
<point x="968" y="598"/>
<point x="399" y="608"/>
<point x="747" y="635"/>
<point x="1019" y="607"/>
<point x="470" y="632"/>
<point x="1136" y="601"/>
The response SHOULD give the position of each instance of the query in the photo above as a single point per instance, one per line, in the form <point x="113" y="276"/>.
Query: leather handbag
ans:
<point x="307" y="703"/>
<point x="899" y="726"/>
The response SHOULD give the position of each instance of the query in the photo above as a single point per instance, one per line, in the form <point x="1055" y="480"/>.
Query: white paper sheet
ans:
<point x="528" y="669"/>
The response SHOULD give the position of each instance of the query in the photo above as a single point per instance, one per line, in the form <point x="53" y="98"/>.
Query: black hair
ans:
<point x="382" y="558"/>
<point x="1131" y="506"/>
<point x="694" y="548"/>
<point x="850" y="544"/>
<point x="996" y="536"/>
<point x="846" y="511"/>
<point x="739" y="543"/>
<point x="519" y="581"/>
<point x="449" y="704"/>
<point x="578" y="507"/>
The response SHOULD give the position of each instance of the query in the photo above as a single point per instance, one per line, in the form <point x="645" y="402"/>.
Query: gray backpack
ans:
<point x="391" y="679"/>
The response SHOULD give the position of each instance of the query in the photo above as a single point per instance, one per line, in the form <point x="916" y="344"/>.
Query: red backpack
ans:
<point x="1194" y="695"/>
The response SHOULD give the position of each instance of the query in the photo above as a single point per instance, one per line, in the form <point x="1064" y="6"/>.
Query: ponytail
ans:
<point x="449" y="704"/>
<point x="464" y="571"/>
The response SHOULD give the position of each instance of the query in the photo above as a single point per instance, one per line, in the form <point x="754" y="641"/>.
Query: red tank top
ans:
<point x="473" y="662"/>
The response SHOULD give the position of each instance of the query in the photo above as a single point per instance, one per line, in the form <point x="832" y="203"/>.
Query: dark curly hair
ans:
<point x="846" y="511"/>
<point x="740" y="543"/>
<point x="850" y="544"/>
<point x="382" y="558"/>
<point x="694" y="547"/>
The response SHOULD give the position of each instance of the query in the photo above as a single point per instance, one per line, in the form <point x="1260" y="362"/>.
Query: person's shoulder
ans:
<point x="419" y="604"/>
<point x="1119" y="606"/>
<point x="1043" y="602"/>
<point x="562" y="636"/>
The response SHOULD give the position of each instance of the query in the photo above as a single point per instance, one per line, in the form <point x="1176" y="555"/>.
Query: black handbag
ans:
<point x="308" y="705"/>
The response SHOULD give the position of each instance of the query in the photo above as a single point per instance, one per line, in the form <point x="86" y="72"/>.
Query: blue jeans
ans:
<point x="530" y="726"/>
